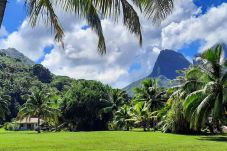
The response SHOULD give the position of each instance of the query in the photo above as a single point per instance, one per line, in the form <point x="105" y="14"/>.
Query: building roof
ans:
<point x="30" y="121"/>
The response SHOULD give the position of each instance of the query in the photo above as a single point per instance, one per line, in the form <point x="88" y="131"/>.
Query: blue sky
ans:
<point x="125" y="62"/>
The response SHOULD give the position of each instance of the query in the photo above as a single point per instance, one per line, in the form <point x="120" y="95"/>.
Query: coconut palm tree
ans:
<point x="172" y="116"/>
<point x="93" y="11"/>
<point x="149" y="92"/>
<point x="117" y="98"/>
<point x="122" y="118"/>
<point x="39" y="105"/>
<point x="141" y="115"/>
<point x="206" y="105"/>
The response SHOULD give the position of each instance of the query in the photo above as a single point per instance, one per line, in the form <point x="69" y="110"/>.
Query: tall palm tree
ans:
<point x="172" y="115"/>
<point x="93" y="11"/>
<point x="206" y="105"/>
<point x="39" y="105"/>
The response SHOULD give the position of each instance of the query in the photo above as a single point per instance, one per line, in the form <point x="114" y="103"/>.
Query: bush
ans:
<point x="11" y="126"/>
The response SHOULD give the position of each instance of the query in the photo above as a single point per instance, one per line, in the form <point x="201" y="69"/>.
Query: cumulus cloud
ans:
<point x="29" y="41"/>
<point x="211" y="28"/>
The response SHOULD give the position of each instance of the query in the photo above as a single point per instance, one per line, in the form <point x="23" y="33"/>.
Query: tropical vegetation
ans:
<point x="40" y="103"/>
<point x="194" y="103"/>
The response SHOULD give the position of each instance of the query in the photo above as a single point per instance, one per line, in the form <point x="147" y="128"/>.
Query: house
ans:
<point x="29" y="123"/>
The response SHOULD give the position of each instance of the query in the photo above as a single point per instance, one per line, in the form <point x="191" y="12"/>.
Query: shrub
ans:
<point x="11" y="126"/>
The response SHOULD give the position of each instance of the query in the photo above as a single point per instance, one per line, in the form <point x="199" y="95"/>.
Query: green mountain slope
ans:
<point x="18" y="75"/>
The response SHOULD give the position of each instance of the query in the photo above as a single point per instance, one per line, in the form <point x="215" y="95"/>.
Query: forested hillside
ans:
<point x="83" y="104"/>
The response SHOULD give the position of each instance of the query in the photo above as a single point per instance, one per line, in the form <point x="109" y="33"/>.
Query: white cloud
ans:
<point x="210" y="28"/>
<point x="29" y="41"/>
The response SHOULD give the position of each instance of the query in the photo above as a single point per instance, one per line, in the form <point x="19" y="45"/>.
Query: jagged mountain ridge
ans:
<point x="166" y="65"/>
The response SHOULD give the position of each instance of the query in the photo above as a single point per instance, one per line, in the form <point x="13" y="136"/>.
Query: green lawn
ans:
<point x="133" y="141"/>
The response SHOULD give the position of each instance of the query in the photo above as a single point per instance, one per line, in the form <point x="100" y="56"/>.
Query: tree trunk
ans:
<point x="144" y="127"/>
<point x="2" y="10"/>
<point x="127" y="129"/>
<point x="127" y="126"/>
<point x="38" y="124"/>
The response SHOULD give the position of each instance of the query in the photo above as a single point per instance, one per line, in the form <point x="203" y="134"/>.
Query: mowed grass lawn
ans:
<point x="109" y="141"/>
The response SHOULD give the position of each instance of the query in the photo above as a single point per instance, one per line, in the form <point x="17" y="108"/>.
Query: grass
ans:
<point x="109" y="141"/>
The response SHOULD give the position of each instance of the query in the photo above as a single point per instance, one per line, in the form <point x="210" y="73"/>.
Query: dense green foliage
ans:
<point x="82" y="105"/>
<point x="196" y="104"/>
<point x="206" y="106"/>
<point x="42" y="73"/>
<point x="16" y="79"/>
<point x="41" y="104"/>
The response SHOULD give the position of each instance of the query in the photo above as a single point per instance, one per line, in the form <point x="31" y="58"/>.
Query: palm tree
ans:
<point x="39" y="105"/>
<point x="122" y="117"/>
<point x="142" y="115"/>
<point x="206" y="105"/>
<point x="93" y="11"/>
<point x="117" y="98"/>
<point x="172" y="116"/>
<point x="149" y="92"/>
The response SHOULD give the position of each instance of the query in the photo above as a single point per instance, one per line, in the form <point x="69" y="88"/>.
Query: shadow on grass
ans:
<point x="21" y="132"/>
<point x="214" y="138"/>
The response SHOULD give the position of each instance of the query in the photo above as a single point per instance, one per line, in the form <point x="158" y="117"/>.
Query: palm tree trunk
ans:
<point x="2" y="10"/>
<point x="144" y="127"/>
<point x="38" y="124"/>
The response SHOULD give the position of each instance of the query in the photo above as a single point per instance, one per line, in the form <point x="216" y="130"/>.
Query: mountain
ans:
<point x="18" y="75"/>
<point x="168" y="62"/>
<point x="13" y="53"/>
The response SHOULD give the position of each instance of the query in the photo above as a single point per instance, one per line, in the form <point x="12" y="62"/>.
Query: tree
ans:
<point x="42" y="73"/>
<point x="83" y="104"/>
<point x="149" y="92"/>
<point x="4" y="104"/>
<point x="206" y="106"/>
<point x="90" y="10"/>
<point x="172" y="116"/>
<point x="122" y="118"/>
<point x="142" y="115"/>
<point x="39" y="105"/>
<point x="117" y="98"/>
